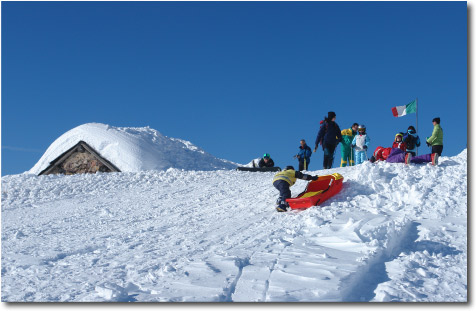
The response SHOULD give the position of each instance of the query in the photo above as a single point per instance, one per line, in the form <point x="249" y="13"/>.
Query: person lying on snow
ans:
<point x="380" y="154"/>
<point x="285" y="179"/>
<point x="399" y="143"/>
<point x="266" y="161"/>
<point x="397" y="155"/>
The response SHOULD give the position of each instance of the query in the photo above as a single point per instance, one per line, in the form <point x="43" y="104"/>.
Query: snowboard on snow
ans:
<point x="258" y="169"/>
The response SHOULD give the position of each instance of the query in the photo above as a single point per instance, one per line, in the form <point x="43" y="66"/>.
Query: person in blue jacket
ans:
<point x="304" y="156"/>
<point x="329" y="136"/>
<point x="412" y="140"/>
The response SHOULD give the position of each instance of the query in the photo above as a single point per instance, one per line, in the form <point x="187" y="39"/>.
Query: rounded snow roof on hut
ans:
<point x="96" y="147"/>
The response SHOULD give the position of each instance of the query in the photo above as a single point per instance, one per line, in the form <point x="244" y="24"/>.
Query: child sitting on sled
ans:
<point x="285" y="179"/>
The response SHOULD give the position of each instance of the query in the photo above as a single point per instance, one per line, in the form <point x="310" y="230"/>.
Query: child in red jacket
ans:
<point x="399" y="143"/>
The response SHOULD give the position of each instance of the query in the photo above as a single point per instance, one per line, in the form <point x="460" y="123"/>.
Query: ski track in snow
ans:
<point x="394" y="233"/>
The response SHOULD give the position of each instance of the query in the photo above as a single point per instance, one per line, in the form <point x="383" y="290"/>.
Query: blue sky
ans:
<point x="237" y="79"/>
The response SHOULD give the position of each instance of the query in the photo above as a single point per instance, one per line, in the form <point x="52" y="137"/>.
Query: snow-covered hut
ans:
<point x="96" y="147"/>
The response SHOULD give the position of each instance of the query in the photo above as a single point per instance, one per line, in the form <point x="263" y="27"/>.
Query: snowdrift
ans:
<point x="134" y="149"/>
<point x="393" y="233"/>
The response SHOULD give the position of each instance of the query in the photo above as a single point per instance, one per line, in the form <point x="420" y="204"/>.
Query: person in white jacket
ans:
<point x="361" y="144"/>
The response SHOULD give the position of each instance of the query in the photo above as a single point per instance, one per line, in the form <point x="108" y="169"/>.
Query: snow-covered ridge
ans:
<point x="394" y="233"/>
<point x="134" y="149"/>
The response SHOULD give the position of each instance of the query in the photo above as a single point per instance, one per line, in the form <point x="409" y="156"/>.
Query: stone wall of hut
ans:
<point x="80" y="161"/>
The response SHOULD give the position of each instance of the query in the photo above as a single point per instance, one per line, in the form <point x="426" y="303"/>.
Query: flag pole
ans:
<point x="416" y="103"/>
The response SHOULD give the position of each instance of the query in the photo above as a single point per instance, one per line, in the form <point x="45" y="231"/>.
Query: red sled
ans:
<point x="317" y="191"/>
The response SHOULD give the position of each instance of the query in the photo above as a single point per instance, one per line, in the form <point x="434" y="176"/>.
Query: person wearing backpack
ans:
<point x="329" y="136"/>
<point x="346" y="145"/>
<point x="436" y="138"/>
<point x="412" y="140"/>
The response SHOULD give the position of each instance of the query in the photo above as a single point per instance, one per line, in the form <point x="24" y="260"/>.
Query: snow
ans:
<point x="394" y="233"/>
<point x="134" y="149"/>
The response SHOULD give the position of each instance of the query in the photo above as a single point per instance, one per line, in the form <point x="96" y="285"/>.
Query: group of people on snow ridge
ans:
<point x="403" y="149"/>
<point x="354" y="144"/>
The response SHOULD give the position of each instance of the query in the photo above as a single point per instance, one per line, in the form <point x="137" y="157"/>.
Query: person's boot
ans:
<point x="282" y="207"/>
<point x="408" y="158"/>
<point x="434" y="158"/>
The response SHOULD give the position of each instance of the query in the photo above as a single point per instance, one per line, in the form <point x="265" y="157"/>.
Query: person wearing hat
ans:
<point x="346" y="145"/>
<point x="399" y="143"/>
<point x="266" y="161"/>
<point x="285" y="179"/>
<point x="412" y="140"/>
<point x="361" y="144"/>
<point x="304" y="156"/>
<point x="329" y="136"/>
<point x="436" y="138"/>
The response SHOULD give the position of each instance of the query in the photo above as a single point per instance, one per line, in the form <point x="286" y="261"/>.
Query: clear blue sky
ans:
<point x="237" y="79"/>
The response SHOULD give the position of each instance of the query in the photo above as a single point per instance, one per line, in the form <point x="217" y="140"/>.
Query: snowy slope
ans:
<point x="394" y="233"/>
<point x="134" y="149"/>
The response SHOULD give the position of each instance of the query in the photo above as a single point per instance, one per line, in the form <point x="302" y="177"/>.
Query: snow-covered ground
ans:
<point x="394" y="233"/>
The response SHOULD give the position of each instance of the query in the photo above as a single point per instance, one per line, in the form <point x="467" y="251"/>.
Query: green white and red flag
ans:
<point x="401" y="111"/>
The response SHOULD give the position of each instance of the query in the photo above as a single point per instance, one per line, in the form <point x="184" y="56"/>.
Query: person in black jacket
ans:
<point x="329" y="136"/>
<point x="266" y="161"/>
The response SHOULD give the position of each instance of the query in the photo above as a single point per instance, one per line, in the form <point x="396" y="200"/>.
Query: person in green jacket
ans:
<point x="345" y="145"/>
<point x="436" y="138"/>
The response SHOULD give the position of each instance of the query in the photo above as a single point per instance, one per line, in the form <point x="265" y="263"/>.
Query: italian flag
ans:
<point x="400" y="111"/>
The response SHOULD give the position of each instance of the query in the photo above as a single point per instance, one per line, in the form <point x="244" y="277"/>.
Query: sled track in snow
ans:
<point x="361" y="285"/>
<point x="240" y="264"/>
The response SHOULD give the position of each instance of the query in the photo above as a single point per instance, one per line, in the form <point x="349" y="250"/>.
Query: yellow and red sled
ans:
<point x="317" y="191"/>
